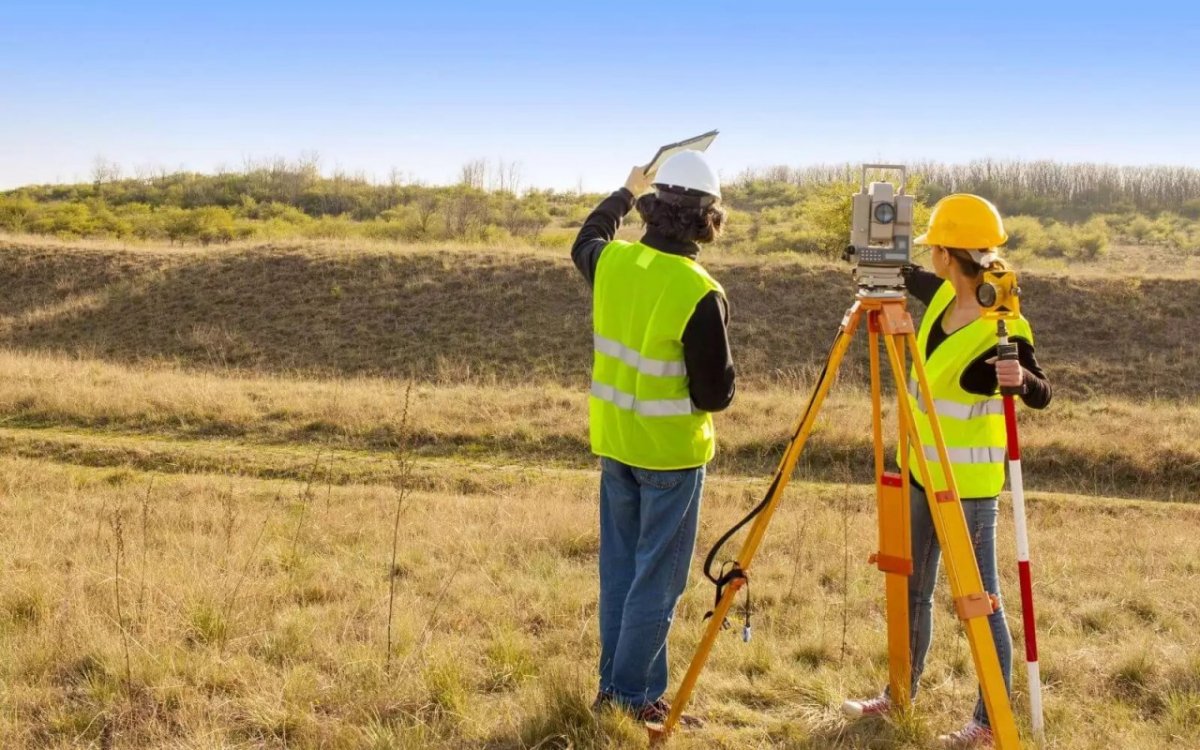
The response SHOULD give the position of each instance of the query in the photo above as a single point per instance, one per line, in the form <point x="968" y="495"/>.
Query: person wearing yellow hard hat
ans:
<point x="958" y="347"/>
<point x="661" y="365"/>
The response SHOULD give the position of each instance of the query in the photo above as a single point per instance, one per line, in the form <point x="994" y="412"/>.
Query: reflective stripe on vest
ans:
<point x="947" y="408"/>
<point x="967" y="455"/>
<point x="668" y="407"/>
<point x="657" y="367"/>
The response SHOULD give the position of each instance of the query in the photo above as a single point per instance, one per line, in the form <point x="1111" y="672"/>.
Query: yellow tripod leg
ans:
<point x="972" y="603"/>
<point x="758" y="529"/>
<point x="894" y="557"/>
<point x="905" y="524"/>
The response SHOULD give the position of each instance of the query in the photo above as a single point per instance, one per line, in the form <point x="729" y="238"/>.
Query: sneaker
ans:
<point x="973" y="734"/>
<point x="658" y="711"/>
<point x="877" y="706"/>
<point x="603" y="698"/>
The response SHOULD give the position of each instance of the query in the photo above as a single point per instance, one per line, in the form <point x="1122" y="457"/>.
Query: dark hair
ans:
<point x="972" y="270"/>
<point x="682" y="217"/>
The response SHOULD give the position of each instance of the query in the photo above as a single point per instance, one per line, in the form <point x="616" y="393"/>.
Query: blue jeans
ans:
<point x="927" y="554"/>
<point x="648" y="524"/>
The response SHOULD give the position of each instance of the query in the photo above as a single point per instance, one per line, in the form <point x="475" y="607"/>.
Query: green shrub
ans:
<point x="328" y="227"/>
<point x="558" y="240"/>
<point x="1070" y="212"/>
<point x="1091" y="240"/>
<point x="1028" y="236"/>
<point x="1025" y="233"/>
<point x="15" y="212"/>
<point x="204" y="225"/>
<point x="1140" y="229"/>
<point x="62" y="220"/>
<point x="378" y="229"/>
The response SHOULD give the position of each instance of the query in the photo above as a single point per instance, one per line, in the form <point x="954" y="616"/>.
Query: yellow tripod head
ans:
<point x="999" y="295"/>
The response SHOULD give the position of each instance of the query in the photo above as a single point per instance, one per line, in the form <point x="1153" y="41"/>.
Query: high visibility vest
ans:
<point x="640" y="410"/>
<point x="972" y="425"/>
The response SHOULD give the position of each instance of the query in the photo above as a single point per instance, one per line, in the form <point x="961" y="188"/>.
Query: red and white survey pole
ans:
<point x="1007" y="350"/>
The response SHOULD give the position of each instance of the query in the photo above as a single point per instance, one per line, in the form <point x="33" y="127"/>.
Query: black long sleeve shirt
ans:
<point x="979" y="377"/>
<point x="706" y="351"/>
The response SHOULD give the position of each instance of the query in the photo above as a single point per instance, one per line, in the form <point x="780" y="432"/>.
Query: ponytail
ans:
<point x="998" y="265"/>
<point x="970" y="268"/>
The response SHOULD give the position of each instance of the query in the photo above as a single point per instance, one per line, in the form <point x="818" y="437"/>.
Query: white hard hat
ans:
<point x="688" y="169"/>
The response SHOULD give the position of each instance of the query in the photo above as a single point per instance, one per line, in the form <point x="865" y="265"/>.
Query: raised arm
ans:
<point x="602" y="224"/>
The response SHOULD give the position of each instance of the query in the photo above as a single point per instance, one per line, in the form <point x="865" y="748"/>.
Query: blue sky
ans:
<point x="576" y="92"/>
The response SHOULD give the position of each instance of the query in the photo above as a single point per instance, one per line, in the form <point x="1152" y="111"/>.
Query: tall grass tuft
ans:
<point x="401" y="487"/>
<point x="117" y="522"/>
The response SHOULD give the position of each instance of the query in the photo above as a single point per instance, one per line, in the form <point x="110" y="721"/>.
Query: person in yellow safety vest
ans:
<point x="661" y="365"/>
<point x="960" y="356"/>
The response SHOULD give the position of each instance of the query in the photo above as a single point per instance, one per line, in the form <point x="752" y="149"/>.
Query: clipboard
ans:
<point x="696" y="143"/>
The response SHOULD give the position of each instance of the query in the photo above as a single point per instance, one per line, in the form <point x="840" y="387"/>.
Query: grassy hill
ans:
<point x="307" y="343"/>
<point x="515" y="316"/>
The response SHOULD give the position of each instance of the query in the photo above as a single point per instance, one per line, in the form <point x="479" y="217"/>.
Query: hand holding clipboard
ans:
<point x="696" y="143"/>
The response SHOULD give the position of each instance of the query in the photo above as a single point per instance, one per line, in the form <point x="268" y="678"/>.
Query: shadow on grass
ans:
<point x="437" y="315"/>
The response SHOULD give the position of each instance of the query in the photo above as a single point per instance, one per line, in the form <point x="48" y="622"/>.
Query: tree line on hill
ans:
<point x="1065" y="210"/>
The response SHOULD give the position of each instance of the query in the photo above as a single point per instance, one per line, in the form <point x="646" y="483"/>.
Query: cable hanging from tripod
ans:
<point x="731" y="570"/>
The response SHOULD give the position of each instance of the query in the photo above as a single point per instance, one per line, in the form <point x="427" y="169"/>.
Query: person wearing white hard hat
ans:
<point x="661" y="365"/>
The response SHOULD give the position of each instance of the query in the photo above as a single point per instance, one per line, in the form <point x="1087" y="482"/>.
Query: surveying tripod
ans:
<point x="887" y="317"/>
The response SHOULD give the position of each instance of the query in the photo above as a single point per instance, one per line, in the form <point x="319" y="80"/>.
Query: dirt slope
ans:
<point x="515" y="317"/>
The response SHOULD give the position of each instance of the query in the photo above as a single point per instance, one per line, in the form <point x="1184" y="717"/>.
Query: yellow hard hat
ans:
<point x="964" y="221"/>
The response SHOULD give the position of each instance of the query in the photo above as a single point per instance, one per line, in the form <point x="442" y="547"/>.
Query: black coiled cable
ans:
<point x="731" y="570"/>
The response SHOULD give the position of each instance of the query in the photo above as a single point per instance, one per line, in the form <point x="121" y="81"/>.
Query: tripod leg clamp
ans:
<point x="979" y="604"/>
<point x="891" y="563"/>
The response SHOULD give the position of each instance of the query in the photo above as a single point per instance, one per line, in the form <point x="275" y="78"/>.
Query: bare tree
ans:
<point x="464" y="210"/>
<point x="145" y="172"/>
<point x="104" y="172"/>
<point x="496" y="183"/>
<point x="474" y="174"/>
<point x="309" y="164"/>
<point x="427" y="205"/>
<point x="508" y="176"/>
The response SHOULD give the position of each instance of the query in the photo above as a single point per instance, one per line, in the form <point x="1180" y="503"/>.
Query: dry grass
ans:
<point x="210" y="436"/>
<point x="97" y="413"/>
<point x="239" y="641"/>
<point x="1143" y="261"/>
<point x="469" y="315"/>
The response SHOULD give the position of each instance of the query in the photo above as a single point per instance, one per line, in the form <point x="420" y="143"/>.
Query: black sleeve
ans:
<point x="921" y="284"/>
<point x="598" y="230"/>
<point x="707" y="356"/>
<point x="980" y="377"/>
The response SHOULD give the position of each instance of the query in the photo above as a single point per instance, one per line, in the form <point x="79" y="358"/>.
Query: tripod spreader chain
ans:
<point x="889" y="321"/>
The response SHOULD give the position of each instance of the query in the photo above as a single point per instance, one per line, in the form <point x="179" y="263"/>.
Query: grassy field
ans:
<point x="212" y="610"/>
<point x="202" y="458"/>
